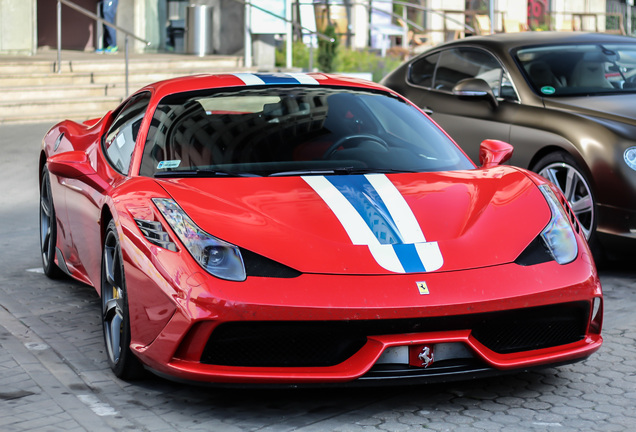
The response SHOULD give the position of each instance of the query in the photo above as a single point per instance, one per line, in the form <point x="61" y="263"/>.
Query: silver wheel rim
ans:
<point x="112" y="298"/>
<point x="576" y="190"/>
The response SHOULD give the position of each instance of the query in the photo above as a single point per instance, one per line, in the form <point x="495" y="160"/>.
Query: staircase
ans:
<point x="89" y="84"/>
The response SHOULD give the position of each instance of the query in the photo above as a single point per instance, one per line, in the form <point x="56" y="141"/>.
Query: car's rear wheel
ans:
<point x="48" y="228"/>
<point x="562" y="170"/>
<point x="115" y="315"/>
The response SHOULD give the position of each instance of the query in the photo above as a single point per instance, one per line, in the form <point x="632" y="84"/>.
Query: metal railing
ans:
<point x="100" y="20"/>
<point x="446" y="16"/>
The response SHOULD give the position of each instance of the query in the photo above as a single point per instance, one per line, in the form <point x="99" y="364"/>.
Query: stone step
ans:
<point x="10" y="111"/>
<point x="44" y="79"/>
<point x="181" y="63"/>
<point x="36" y="94"/>
<point x="51" y="118"/>
<point x="89" y="84"/>
<point x="20" y="67"/>
<point x="118" y="64"/>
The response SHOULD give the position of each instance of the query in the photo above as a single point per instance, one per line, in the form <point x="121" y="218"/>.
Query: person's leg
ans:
<point x="110" y="34"/>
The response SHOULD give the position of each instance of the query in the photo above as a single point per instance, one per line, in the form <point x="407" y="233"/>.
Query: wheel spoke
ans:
<point x="45" y="243"/>
<point x="113" y="320"/>
<point x="550" y="174"/>
<point x="115" y="338"/>
<point x="582" y="205"/>
<point x="45" y="206"/>
<point x="571" y="181"/>
<point x="112" y="309"/>
<point x="109" y="265"/>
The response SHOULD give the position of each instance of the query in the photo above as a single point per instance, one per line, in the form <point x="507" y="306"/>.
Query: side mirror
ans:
<point x="475" y="88"/>
<point x="494" y="152"/>
<point x="75" y="165"/>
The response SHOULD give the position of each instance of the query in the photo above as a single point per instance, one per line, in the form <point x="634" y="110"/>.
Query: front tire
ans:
<point x="48" y="228"/>
<point x="115" y="315"/>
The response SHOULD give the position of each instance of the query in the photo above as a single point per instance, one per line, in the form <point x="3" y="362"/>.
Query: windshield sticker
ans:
<point x="548" y="90"/>
<point x="169" y="164"/>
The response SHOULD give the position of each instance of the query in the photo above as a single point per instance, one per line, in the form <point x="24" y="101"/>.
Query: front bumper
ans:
<point x="453" y="312"/>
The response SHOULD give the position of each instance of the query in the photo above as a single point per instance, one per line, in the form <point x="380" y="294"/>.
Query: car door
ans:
<point x="468" y="119"/>
<point x="84" y="201"/>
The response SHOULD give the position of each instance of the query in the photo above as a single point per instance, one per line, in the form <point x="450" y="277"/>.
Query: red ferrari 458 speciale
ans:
<point x="305" y="229"/>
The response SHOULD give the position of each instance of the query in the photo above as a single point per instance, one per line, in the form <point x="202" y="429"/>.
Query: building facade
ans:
<point x="27" y="25"/>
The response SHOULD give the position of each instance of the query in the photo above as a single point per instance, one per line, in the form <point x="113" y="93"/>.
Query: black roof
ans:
<point x="514" y="40"/>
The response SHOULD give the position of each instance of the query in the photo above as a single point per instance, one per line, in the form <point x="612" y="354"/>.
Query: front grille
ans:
<point x="285" y="344"/>
<point x="327" y="343"/>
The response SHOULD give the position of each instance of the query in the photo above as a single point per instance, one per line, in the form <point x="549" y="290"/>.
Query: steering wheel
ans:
<point x="333" y="148"/>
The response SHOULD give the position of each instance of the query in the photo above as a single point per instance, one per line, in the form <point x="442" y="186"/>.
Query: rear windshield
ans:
<point x="584" y="69"/>
<point x="293" y="131"/>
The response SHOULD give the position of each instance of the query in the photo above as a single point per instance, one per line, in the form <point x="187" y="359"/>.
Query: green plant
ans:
<point x="327" y="49"/>
<point x="349" y="60"/>
<point x="300" y="55"/>
<point x="343" y="60"/>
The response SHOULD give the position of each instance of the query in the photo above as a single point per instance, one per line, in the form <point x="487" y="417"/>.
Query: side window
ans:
<point x="422" y="70"/>
<point x="461" y="63"/>
<point x="119" y="142"/>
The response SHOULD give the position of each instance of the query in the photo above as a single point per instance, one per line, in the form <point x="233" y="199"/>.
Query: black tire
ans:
<point x="115" y="315"/>
<point x="562" y="170"/>
<point x="48" y="228"/>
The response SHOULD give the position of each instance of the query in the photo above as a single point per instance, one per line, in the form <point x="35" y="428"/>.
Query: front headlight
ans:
<point x="629" y="156"/>
<point x="558" y="234"/>
<point x="219" y="258"/>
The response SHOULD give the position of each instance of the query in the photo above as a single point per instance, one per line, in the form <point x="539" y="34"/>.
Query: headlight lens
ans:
<point x="558" y="234"/>
<point x="630" y="157"/>
<point x="219" y="258"/>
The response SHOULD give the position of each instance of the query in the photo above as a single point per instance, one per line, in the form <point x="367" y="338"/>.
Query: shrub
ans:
<point x="344" y="60"/>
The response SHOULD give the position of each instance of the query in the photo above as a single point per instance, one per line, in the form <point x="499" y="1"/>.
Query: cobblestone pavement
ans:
<point x="54" y="374"/>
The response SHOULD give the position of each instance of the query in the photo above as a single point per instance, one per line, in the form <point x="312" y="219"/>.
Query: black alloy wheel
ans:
<point x="115" y="316"/>
<point x="48" y="228"/>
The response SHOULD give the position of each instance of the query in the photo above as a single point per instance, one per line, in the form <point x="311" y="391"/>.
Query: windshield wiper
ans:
<point x="203" y="173"/>
<point x="302" y="173"/>
<point x="351" y="170"/>
<point x="340" y="171"/>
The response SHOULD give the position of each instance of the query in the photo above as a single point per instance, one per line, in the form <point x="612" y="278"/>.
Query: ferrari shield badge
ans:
<point x="422" y="288"/>
<point x="421" y="355"/>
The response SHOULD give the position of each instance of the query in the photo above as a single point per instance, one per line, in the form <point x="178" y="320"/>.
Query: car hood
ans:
<point x="620" y="108"/>
<point x="376" y="224"/>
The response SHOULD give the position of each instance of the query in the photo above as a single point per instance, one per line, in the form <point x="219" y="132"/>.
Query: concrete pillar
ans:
<point x="264" y="51"/>
<point x="17" y="27"/>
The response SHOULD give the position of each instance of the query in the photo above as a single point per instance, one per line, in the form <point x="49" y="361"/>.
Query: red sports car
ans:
<point x="297" y="229"/>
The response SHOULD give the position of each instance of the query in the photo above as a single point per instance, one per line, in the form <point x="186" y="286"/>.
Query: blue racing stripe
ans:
<point x="278" y="79"/>
<point x="368" y="203"/>
<point x="409" y="258"/>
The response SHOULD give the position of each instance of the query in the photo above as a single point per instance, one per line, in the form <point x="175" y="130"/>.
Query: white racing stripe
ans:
<point x="354" y="225"/>
<point x="303" y="79"/>
<point x="249" y="79"/>
<point x="399" y="258"/>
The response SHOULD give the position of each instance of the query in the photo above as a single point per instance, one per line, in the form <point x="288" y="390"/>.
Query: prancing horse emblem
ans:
<point x="426" y="356"/>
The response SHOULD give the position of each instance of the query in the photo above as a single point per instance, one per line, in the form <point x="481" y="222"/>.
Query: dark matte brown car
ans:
<point x="565" y="101"/>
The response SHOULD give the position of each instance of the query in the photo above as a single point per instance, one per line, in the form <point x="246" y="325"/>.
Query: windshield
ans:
<point x="574" y="70"/>
<point x="293" y="131"/>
